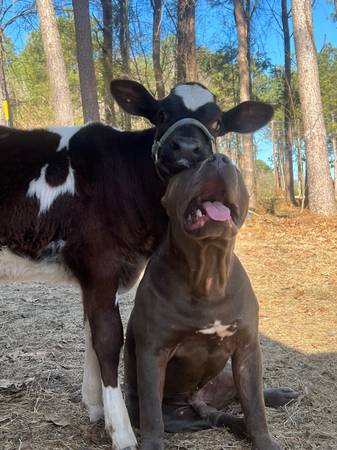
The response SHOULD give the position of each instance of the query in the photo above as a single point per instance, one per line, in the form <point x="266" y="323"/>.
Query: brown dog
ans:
<point x="195" y="308"/>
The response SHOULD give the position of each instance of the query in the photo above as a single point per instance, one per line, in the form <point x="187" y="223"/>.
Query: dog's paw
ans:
<point x="276" y="397"/>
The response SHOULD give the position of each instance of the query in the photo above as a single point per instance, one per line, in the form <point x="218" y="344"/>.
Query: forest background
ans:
<point x="162" y="42"/>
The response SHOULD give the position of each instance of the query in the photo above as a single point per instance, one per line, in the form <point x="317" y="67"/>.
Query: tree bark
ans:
<point x="301" y="182"/>
<point x="57" y="74"/>
<point x="124" y="40"/>
<point x="241" y="20"/>
<point x="109" y="106"/>
<point x="280" y="153"/>
<point x="334" y="147"/>
<point x="5" y="115"/>
<point x="186" y="47"/>
<point x="157" y="6"/>
<point x="289" y="171"/>
<point x="85" y="60"/>
<point x="320" y="187"/>
<point x="275" y="160"/>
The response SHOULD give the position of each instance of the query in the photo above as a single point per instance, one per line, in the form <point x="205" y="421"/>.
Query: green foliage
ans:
<point x="328" y="81"/>
<point x="264" y="182"/>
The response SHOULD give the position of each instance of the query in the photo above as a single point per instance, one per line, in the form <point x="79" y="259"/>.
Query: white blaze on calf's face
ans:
<point x="193" y="95"/>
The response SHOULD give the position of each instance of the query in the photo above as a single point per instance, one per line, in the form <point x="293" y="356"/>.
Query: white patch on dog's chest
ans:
<point x="220" y="330"/>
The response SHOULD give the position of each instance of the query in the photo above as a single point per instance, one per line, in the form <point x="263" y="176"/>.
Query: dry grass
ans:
<point x="292" y="263"/>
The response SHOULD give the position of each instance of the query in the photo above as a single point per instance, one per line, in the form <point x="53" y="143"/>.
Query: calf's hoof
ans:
<point x="153" y="444"/>
<point x="276" y="397"/>
<point x="265" y="442"/>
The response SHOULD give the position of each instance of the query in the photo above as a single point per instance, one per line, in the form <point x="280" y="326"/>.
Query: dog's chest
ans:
<point x="219" y="329"/>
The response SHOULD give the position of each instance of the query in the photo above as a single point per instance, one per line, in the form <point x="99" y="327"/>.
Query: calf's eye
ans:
<point x="162" y="116"/>
<point x="216" y="125"/>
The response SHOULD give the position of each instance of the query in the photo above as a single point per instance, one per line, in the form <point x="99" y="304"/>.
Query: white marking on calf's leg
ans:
<point x="117" y="422"/>
<point x="91" y="386"/>
<point x="47" y="194"/>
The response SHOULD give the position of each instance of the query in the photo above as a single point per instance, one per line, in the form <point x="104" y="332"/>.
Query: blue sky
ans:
<point x="215" y="28"/>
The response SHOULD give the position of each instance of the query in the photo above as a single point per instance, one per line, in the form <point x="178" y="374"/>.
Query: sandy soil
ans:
<point x="292" y="263"/>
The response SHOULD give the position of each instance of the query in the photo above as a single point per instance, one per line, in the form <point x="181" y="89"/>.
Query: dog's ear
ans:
<point x="164" y="201"/>
<point x="247" y="117"/>
<point x="134" y="99"/>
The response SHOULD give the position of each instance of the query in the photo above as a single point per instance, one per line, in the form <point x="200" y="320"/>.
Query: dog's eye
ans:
<point x="216" y="125"/>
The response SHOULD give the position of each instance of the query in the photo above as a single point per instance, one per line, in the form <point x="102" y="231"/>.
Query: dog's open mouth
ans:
<point x="201" y="212"/>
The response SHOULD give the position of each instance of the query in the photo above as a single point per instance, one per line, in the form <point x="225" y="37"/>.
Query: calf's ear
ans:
<point x="247" y="117"/>
<point x="134" y="98"/>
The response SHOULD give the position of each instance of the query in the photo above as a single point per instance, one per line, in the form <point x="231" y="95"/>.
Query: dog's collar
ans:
<point x="186" y="121"/>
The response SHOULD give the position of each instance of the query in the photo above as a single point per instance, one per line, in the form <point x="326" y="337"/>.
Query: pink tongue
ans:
<point x="217" y="211"/>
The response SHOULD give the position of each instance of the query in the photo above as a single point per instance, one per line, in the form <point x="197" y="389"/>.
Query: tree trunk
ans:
<point x="186" y="47"/>
<point x="320" y="187"/>
<point x="57" y="74"/>
<point x="157" y="6"/>
<point x="241" y="20"/>
<point x="301" y="183"/>
<point x="275" y="160"/>
<point x="85" y="61"/>
<point x="109" y="106"/>
<point x="289" y="171"/>
<point x="280" y="154"/>
<point x="5" y="116"/>
<point x="124" y="40"/>
<point x="334" y="147"/>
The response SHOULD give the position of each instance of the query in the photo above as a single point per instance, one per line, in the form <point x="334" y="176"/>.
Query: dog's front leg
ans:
<point x="151" y="367"/>
<point x="247" y="371"/>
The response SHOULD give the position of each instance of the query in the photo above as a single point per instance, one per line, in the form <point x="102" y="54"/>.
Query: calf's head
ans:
<point x="187" y="121"/>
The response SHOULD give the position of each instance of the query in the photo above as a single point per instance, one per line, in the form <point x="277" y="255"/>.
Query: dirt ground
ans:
<point x="293" y="266"/>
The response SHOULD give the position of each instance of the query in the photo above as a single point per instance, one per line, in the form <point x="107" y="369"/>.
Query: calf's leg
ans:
<point x="92" y="385"/>
<point x="107" y="339"/>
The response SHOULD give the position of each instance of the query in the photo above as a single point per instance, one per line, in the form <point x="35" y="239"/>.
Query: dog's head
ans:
<point x="209" y="201"/>
<point x="187" y="121"/>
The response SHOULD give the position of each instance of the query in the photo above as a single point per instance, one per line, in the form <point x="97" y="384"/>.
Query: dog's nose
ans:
<point x="186" y="145"/>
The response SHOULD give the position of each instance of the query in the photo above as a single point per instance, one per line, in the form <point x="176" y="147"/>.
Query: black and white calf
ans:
<point x="85" y="204"/>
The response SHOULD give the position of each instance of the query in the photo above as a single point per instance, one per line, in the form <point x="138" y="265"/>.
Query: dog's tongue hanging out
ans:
<point x="217" y="211"/>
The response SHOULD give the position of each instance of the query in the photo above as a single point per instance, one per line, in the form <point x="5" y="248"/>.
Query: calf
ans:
<point x="85" y="204"/>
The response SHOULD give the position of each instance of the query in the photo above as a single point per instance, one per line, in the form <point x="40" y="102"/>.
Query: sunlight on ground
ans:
<point x="292" y="264"/>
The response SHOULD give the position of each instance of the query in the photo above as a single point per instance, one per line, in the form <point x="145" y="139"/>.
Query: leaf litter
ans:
<point x="292" y="262"/>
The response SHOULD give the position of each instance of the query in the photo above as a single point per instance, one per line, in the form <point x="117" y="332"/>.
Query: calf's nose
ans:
<point x="220" y="159"/>
<point x="186" y="145"/>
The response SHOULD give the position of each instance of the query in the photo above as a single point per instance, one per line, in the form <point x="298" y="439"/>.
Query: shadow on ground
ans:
<point x="41" y="354"/>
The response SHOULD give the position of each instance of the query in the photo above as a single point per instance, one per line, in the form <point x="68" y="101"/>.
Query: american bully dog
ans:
<point x="195" y="308"/>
